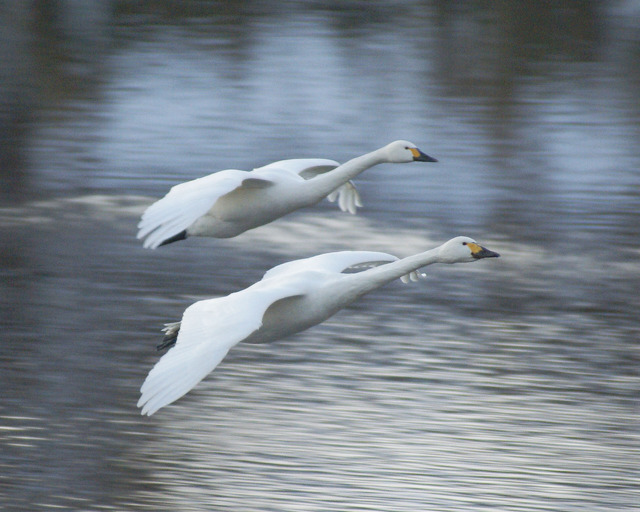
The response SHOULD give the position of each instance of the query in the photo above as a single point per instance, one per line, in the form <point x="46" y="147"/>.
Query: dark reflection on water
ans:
<point x="505" y="385"/>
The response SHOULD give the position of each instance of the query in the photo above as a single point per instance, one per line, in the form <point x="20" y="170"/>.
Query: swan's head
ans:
<point x="463" y="249"/>
<point x="402" y="151"/>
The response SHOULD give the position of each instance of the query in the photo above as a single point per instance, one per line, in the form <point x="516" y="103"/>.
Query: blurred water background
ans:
<point x="507" y="385"/>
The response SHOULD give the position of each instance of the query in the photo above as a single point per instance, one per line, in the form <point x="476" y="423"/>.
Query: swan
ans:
<point x="227" y="203"/>
<point x="289" y="298"/>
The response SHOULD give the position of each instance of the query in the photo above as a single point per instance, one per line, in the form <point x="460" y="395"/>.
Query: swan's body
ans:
<point x="228" y="203"/>
<point x="290" y="298"/>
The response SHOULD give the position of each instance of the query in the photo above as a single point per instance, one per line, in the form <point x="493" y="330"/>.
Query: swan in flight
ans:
<point x="288" y="299"/>
<point x="227" y="203"/>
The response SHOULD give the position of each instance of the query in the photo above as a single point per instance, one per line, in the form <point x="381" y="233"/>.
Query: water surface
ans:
<point x="509" y="384"/>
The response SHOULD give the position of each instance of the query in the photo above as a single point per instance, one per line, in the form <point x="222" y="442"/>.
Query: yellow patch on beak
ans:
<point x="415" y="152"/>
<point x="475" y="248"/>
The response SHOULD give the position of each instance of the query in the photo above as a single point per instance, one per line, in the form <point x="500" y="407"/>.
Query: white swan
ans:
<point x="290" y="298"/>
<point x="229" y="202"/>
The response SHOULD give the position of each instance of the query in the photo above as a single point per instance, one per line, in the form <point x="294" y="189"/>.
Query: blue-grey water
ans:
<point x="506" y="385"/>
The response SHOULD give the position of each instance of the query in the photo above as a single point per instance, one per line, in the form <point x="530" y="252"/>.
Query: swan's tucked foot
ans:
<point x="414" y="276"/>
<point x="175" y="238"/>
<point x="170" y="336"/>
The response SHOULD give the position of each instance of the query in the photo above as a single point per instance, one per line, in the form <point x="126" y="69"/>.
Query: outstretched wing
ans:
<point x="208" y="330"/>
<point x="308" y="168"/>
<point x="341" y="261"/>
<point x="331" y="262"/>
<point x="187" y="202"/>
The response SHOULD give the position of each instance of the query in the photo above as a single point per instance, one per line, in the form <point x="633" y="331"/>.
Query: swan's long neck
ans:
<point x="326" y="183"/>
<point x="368" y="280"/>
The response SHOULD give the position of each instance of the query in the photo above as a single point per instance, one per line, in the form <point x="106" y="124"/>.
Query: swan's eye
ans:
<point x="464" y="243"/>
<point x="406" y="147"/>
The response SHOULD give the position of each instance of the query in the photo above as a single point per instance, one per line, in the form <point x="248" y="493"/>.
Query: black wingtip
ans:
<point x="175" y="238"/>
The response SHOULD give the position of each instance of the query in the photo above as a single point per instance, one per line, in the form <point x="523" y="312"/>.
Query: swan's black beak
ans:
<point x="419" y="156"/>
<point x="479" y="252"/>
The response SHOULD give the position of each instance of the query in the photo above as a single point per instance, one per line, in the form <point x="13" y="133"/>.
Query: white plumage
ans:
<point x="288" y="299"/>
<point x="229" y="202"/>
